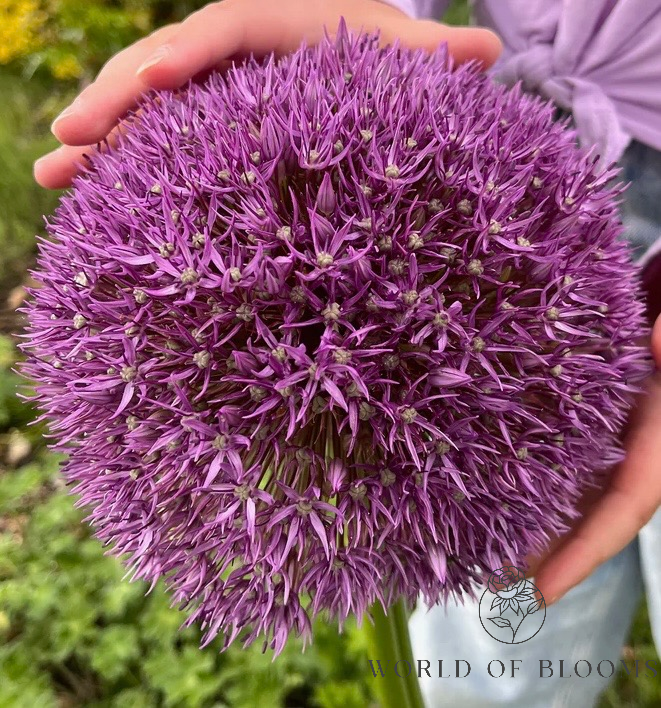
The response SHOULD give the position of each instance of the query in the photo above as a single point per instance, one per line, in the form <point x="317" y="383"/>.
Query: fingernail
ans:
<point x="156" y="58"/>
<point x="38" y="162"/>
<point x="68" y="111"/>
<point x="44" y="159"/>
<point x="48" y="156"/>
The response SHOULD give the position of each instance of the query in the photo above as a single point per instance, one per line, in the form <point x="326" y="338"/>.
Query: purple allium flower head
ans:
<point x="334" y="329"/>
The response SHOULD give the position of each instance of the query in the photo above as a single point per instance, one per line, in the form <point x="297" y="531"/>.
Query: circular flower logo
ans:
<point x="512" y="609"/>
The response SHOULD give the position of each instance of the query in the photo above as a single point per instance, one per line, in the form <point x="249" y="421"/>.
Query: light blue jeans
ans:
<point x="591" y="622"/>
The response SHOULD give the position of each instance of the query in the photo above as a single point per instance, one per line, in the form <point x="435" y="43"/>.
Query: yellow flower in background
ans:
<point x="20" y="25"/>
<point x="66" y="67"/>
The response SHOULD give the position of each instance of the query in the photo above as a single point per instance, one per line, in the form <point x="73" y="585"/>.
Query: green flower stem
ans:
<point x="388" y="641"/>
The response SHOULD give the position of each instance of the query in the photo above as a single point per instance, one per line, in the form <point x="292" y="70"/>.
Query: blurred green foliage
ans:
<point x="73" y="632"/>
<point x="458" y="13"/>
<point x="627" y="691"/>
<point x="23" y="131"/>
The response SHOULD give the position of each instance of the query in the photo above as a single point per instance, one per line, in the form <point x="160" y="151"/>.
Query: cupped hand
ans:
<point x="218" y="33"/>
<point x="614" y="516"/>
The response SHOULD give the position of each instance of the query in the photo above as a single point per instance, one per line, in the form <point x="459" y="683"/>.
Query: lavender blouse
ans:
<point x="599" y="59"/>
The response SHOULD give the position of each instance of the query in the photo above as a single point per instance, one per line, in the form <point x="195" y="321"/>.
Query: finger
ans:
<point x="586" y="503"/>
<point x="616" y="518"/>
<point x="464" y="43"/>
<point x="227" y="29"/>
<point x="214" y="33"/>
<point x="613" y="524"/>
<point x="56" y="169"/>
<point x="116" y="89"/>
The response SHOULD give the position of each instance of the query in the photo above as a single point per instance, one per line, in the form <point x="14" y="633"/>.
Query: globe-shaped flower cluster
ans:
<point x="333" y="329"/>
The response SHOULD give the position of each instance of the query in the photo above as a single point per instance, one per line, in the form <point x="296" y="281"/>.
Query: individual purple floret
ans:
<point x="332" y="329"/>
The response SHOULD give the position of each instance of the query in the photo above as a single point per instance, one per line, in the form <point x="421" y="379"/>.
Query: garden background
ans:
<point x="72" y="632"/>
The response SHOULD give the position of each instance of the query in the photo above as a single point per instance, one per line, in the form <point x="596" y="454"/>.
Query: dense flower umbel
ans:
<point x="334" y="329"/>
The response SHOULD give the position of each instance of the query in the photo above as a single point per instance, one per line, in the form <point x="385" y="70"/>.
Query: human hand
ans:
<point x="218" y="33"/>
<point x="613" y="516"/>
